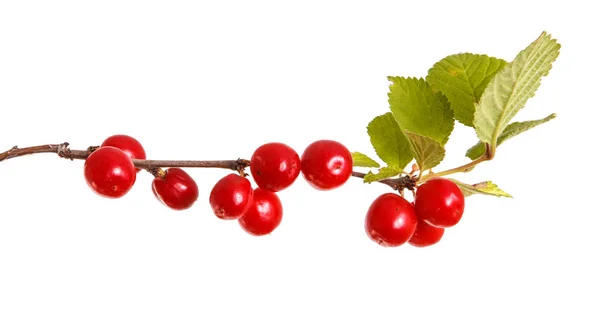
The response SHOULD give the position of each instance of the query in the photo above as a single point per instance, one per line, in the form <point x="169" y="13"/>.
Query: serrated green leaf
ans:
<point x="428" y="152"/>
<point x="389" y="142"/>
<point x="511" y="130"/>
<point x="462" y="79"/>
<point x="361" y="160"/>
<point x="512" y="86"/>
<point x="485" y="188"/>
<point x="383" y="173"/>
<point x="420" y="109"/>
<point x="424" y="116"/>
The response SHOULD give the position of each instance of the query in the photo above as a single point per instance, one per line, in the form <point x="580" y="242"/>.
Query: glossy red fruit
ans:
<point x="127" y="144"/>
<point x="263" y="215"/>
<point x="177" y="190"/>
<point x="274" y="166"/>
<point x="426" y="235"/>
<point x="326" y="164"/>
<point x="109" y="172"/>
<point x="440" y="202"/>
<point x="231" y="196"/>
<point x="391" y="220"/>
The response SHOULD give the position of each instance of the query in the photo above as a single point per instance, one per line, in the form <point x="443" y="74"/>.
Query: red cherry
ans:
<point x="326" y="164"/>
<point x="231" y="197"/>
<point x="274" y="166"/>
<point x="440" y="202"/>
<point x="177" y="190"/>
<point x="127" y="144"/>
<point x="263" y="215"/>
<point x="109" y="172"/>
<point x="426" y="235"/>
<point x="391" y="220"/>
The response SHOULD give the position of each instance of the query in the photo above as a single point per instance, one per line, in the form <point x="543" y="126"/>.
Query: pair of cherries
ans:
<point x="110" y="172"/>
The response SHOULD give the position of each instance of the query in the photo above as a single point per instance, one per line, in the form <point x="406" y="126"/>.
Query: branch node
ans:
<point x="240" y="166"/>
<point x="63" y="151"/>
<point x="91" y="149"/>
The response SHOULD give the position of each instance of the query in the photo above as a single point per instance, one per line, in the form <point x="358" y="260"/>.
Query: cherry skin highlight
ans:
<point x="274" y="166"/>
<point x="132" y="147"/>
<point x="231" y="196"/>
<point x="440" y="203"/>
<point x="177" y="190"/>
<point x="426" y="235"/>
<point x="263" y="215"/>
<point x="391" y="220"/>
<point x="109" y="172"/>
<point x="326" y="164"/>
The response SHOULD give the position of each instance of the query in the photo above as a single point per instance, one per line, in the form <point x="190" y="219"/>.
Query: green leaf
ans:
<point x="511" y="130"/>
<point x="361" y="160"/>
<point x="428" y="152"/>
<point x="420" y="109"/>
<point x="424" y="116"/>
<point x="383" y="173"/>
<point x="512" y="86"/>
<point x="462" y="79"/>
<point x="389" y="142"/>
<point x="485" y="188"/>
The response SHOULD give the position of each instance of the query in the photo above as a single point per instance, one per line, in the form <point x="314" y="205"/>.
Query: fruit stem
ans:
<point x="63" y="151"/>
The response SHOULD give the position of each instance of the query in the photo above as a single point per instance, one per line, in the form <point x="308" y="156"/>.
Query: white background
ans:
<point x="198" y="80"/>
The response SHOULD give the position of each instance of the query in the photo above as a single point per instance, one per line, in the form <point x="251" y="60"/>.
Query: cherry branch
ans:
<point x="63" y="151"/>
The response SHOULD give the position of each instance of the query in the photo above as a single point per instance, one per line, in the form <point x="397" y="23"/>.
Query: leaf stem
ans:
<point x="488" y="155"/>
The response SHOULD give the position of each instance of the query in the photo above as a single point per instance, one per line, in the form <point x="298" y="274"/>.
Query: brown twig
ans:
<point x="63" y="151"/>
<point x="153" y="166"/>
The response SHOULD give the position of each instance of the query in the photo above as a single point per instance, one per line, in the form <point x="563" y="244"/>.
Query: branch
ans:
<point x="63" y="151"/>
<point x="153" y="166"/>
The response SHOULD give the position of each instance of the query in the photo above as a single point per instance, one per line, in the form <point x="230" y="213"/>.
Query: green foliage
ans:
<point x="419" y="109"/>
<point x="511" y="130"/>
<point x="424" y="116"/>
<point x="428" y="152"/>
<point x="389" y="142"/>
<point x="361" y="160"/>
<point x="462" y="79"/>
<point x="383" y="173"/>
<point x="512" y="86"/>
<point x="485" y="188"/>
<point x="477" y="90"/>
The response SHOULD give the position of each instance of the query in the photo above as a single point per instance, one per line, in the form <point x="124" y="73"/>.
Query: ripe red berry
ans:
<point x="132" y="147"/>
<point x="231" y="197"/>
<point x="177" y="190"/>
<point x="263" y="215"/>
<point x="391" y="220"/>
<point x="440" y="202"/>
<point x="274" y="166"/>
<point x="326" y="164"/>
<point x="426" y="235"/>
<point x="109" y="172"/>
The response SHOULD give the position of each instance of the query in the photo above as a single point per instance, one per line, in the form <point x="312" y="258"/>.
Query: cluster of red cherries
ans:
<point x="393" y="221"/>
<point x="325" y="164"/>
